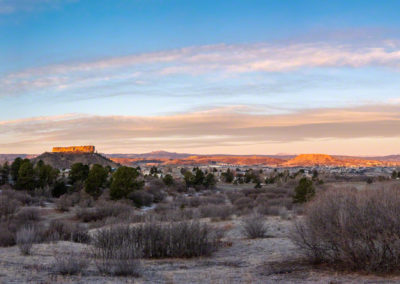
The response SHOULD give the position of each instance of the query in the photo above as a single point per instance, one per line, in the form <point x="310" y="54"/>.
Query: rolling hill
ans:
<point x="65" y="160"/>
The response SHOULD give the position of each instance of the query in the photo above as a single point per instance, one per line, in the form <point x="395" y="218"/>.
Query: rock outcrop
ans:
<point x="74" y="149"/>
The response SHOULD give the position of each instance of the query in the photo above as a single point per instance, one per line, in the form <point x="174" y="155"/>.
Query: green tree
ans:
<point x="26" y="176"/>
<point x="248" y="176"/>
<point x="46" y="174"/>
<point x="315" y="174"/>
<point x="124" y="182"/>
<point x="4" y="173"/>
<point x="304" y="191"/>
<point x="153" y="171"/>
<point x="394" y="175"/>
<point x="95" y="181"/>
<point x="228" y="176"/>
<point x="198" y="177"/>
<point x="189" y="178"/>
<point x="59" y="189"/>
<point x="258" y="185"/>
<point x="79" y="172"/>
<point x="168" y="180"/>
<point x="209" y="180"/>
<point x="16" y="164"/>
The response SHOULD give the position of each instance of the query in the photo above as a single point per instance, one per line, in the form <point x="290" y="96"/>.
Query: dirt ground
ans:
<point x="271" y="260"/>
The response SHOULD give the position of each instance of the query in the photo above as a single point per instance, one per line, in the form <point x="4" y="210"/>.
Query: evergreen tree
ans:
<point x="95" y="181"/>
<point x="304" y="191"/>
<point x="16" y="164"/>
<point x="26" y="176"/>
<point x="199" y="177"/>
<point x="79" y="172"/>
<point x="168" y="180"/>
<point x="209" y="180"/>
<point x="4" y="173"/>
<point x="124" y="182"/>
<point x="46" y="174"/>
<point x="228" y="176"/>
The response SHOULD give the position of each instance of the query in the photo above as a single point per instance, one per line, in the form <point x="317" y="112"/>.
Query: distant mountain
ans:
<point x="233" y="160"/>
<point x="390" y="158"/>
<point x="11" y="157"/>
<point x="152" y="155"/>
<point x="172" y="158"/>
<point x="284" y="160"/>
<point x="65" y="160"/>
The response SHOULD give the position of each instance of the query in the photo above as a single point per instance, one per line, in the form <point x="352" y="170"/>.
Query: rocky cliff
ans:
<point x="74" y="149"/>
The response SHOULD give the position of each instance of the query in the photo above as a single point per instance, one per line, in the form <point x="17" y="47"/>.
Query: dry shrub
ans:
<point x="222" y="212"/>
<point x="244" y="204"/>
<point x="70" y="263"/>
<point x="359" y="230"/>
<point x="66" y="231"/>
<point x="103" y="210"/>
<point x="116" y="253"/>
<point x="8" y="207"/>
<point x="141" y="198"/>
<point x="158" y="240"/>
<point x="20" y="196"/>
<point x="28" y="215"/>
<point x="213" y="199"/>
<point x="25" y="238"/>
<point x="234" y="195"/>
<point x="64" y="203"/>
<point x="254" y="227"/>
<point x="7" y="237"/>
<point x="117" y="258"/>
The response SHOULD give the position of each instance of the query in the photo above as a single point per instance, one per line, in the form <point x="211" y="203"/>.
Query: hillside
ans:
<point x="65" y="160"/>
<point x="307" y="160"/>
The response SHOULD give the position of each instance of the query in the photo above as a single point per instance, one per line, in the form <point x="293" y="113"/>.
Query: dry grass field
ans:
<point x="65" y="254"/>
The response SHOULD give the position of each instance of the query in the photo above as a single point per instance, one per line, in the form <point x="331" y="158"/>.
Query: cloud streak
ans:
<point x="210" y="129"/>
<point x="222" y="59"/>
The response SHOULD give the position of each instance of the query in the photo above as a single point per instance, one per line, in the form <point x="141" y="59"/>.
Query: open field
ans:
<point x="273" y="259"/>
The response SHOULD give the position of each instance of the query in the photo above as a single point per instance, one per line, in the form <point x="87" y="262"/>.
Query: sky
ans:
<point x="206" y="77"/>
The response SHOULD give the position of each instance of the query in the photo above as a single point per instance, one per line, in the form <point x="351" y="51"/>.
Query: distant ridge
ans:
<point x="282" y="160"/>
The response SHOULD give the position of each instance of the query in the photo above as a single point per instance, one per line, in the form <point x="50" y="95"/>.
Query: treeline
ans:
<point x="22" y="174"/>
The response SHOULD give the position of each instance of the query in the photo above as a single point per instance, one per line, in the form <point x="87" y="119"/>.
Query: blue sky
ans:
<point x="273" y="64"/>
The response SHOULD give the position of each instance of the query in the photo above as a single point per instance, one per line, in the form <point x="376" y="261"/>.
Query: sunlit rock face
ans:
<point x="74" y="149"/>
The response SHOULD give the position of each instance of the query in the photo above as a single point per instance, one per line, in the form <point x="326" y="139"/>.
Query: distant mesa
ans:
<point x="74" y="149"/>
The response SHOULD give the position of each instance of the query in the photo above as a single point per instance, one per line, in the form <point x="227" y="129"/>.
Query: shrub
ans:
<point x="25" y="238"/>
<point x="63" y="204"/>
<point x="244" y="204"/>
<point x="70" y="263"/>
<point x="359" y="230"/>
<point x="157" y="240"/>
<point x="62" y="230"/>
<point x="141" y="198"/>
<point x="28" y="215"/>
<point x="304" y="191"/>
<point x="223" y="212"/>
<point x="117" y="258"/>
<point x="103" y="210"/>
<point x="7" y="238"/>
<point x="254" y="227"/>
<point x="8" y="207"/>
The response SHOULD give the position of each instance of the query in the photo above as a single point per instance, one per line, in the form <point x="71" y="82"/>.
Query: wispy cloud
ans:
<point x="12" y="6"/>
<point x="232" y="126"/>
<point x="225" y="60"/>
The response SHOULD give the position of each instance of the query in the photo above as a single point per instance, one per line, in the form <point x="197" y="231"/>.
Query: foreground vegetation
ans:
<point x="123" y="220"/>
